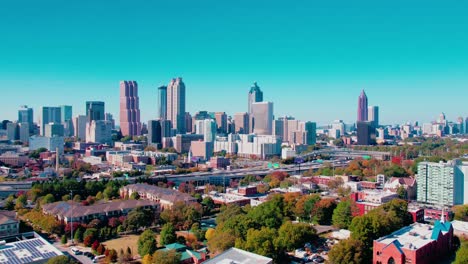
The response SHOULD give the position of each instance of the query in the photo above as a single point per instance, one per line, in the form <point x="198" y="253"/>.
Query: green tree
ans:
<point x="21" y="202"/>
<point x="292" y="236"/>
<point x="221" y="241"/>
<point x="168" y="235"/>
<point x="49" y="198"/>
<point x="269" y="214"/>
<point x="10" y="203"/>
<point x="61" y="260"/>
<point x="64" y="240"/>
<point x="402" y="193"/>
<point x="138" y="218"/>
<point x="78" y="236"/>
<point x="166" y="257"/>
<point x="462" y="253"/>
<point x="147" y="243"/>
<point x="135" y="196"/>
<point x="260" y="242"/>
<point x="305" y="205"/>
<point x="460" y="212"/>
<point x="347" y="251"/>
<point x="343" y="214"/>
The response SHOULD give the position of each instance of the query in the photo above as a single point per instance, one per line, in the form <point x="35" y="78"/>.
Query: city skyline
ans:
<point x="311" y="63"/>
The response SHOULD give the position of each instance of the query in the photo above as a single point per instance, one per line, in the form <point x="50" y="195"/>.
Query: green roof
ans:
<point x="176" y="247"/>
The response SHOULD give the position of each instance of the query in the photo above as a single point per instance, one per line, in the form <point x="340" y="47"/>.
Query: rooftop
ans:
<point x="27" y="251"/>
<point x="415" y="236"/>
<point x="238" y="256"/>
<point x="7" y="217"/>
<point x="161" y="193"/>
<point x="64" y="208"/>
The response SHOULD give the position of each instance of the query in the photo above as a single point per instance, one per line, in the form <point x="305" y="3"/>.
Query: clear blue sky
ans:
<point x="311" y="58"/>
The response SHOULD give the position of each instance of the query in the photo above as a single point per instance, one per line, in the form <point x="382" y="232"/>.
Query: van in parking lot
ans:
<point x="97" y="259"/>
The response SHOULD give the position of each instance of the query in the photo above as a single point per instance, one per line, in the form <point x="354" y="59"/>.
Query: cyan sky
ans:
<point x="311" y="58"/>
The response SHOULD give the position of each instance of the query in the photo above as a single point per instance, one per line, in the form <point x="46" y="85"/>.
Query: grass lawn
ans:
<point x="122" y="243"/>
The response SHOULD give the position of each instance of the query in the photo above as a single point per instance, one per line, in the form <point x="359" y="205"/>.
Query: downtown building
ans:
<point x="50" y="115"/>
<point x="99" y="131"/>
<point x="262" y="118"/>
<point x="176" y="105"/>
<point x="442" y="183"/>
<point x="130" y="124"/>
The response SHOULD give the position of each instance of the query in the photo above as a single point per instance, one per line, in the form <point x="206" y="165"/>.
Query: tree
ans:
<point x="21" y="202"/>
<point x="305" y="205"/>
<point x="462" y="253"/>
<point x="147" y="259"/>
<point x="323" y="211"/>
<point x="347" y="251"/>
<point x="168" y="235"/>
<point x="166" y="257"/>
<point x="269" y="214"/>
<point x="260" y="242"/>
<point x="147" y="243"/>
<point x="10" y="203"/>
<point x="197" y="231"/>
<point x="78" y="236"/>
<point x="64" y="240"/>
<point x="461" y="212"/>
<point x="138" y="218"/>
<point x="88" y="241"/>
<point x="221" y="241"/>
<point x="209" y="233"/>
<point x="112" y="256"/>
<point x="292" y="236"/>
<point x="402" y="193"/>
<point x="343" y="214"/>
<point x="77" y="198"/>
<point x="135" y="196"/>
<point x="61" y="260"/>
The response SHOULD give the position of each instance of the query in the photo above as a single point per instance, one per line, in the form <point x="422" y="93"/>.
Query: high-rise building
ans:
<point x="442" y="183"/>
<point x="79" y="127"/>
<point x="255" y="96"/>
<point x="99" y="131"/>
<point x="130" y="124"/>
<point x="50" y="115"/>
<point x="12" y="131"/>
<point x="176" y="104"/>
<point x="209" y="130"/>
<point x="162" y="102"/>
<point x="311" y="133"/>
<point x="110" y="117"/>
<point x="66" y="112"/>
<point x="95" y="110"/>
<point x="54" y="130"/>
<point x="221" y="122"/>
<point x="373" y="115"/>
<point x="188" y="122"/>
<point x="362" y="107"/>
<point x="365" y="133"/>
<point x="154" y="133"/>
<point x="262" y="118"/>
<point x="241" y="123"/>
<point x="26" y="115"/>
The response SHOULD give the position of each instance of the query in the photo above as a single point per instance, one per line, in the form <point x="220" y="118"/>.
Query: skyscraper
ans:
<point x="209" y="130"/>
<point x="155" y="133"/>
<point x="66" y="113"/>
<point x="99" y="131"/>
<point x="221" y="122"/>
<point x="262" y="118"/>
<point x="255" y="96"/>
<point x="311" y="133"/>
<point x="26" y="115"/>
<point x="365" y="133"/>
<point x="362" y="107"/>
<point x="79" y="127"/>
<point x="95" y="110"/>
<point x="50" y="115"/>
<point x="373" y="115"/>
<point x="176" y="104"/>
<point x="130" y="124"/>
<point x="162" y="102"/>
<point x="241" y="123"/>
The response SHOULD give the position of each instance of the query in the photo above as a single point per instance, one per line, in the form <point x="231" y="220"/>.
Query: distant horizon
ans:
<point x="311" y="59"/>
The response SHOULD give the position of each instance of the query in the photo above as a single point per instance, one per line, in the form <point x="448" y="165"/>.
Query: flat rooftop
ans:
<point x="238" y="256"/>
<point x="31" y="250"/>
<point x="411" y="237"/>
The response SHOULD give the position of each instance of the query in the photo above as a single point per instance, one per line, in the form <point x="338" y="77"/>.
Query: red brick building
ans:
<point x="415" y="244"/>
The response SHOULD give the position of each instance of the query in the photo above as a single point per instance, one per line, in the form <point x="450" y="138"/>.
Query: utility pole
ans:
<point x="71" y="217"/>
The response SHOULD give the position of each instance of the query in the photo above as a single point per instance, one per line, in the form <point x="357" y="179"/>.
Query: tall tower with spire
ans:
<point x="255" y="96"/>
<point x="362" y="114"/>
